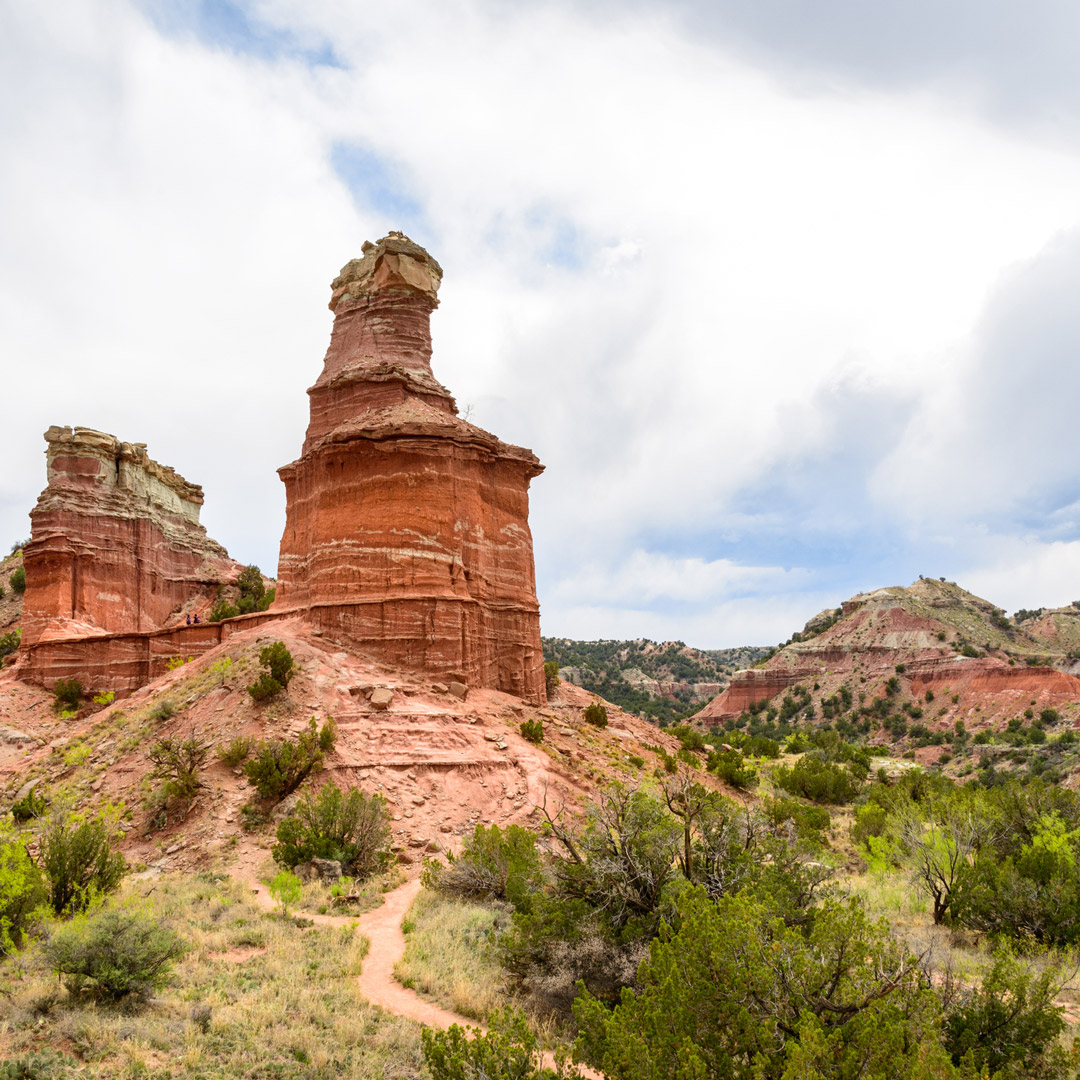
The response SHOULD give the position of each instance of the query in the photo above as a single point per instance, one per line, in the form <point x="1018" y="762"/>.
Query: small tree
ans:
<point x="279" y="767"/>
<point x="178" y="762"/>
<point x="17" y="579"/>
<point x="67" y="693"/>
<point x="596" y="715"/>
<point x="551" y="678"/>
<point x="78" y="857"/>
<point x="251" y="588"/>
<point x="352" y="827"/>
<point x="279" y="665"/>
<point x="532" y="730"/>
<point x="494" y="864"/>
<point x="286" y="889"/>
<point x="22" y="892"/>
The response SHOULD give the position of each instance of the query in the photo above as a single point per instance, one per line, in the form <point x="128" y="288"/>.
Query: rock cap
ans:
<point x="395" y="262"/>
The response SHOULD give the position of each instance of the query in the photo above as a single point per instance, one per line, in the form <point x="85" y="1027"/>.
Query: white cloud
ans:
<point x="663" y="267"/>
<point x="1027" y="573"/>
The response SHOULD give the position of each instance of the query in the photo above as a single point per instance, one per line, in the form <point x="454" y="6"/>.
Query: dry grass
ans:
<point x="257" y="997"/>
<point x="450" y="954"/>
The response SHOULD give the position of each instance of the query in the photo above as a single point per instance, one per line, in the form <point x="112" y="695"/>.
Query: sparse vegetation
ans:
<point x="532" y="730"/>
<point x="237" y="752"/>
<point x="351" y="827"/>
<point x="79" y="859"/>
<point x="9" y="642"/>
<point x="279" y="665"/>
<point x="17" y="579"/>
<point x="67" y="694"/>
<point x="279" y="767"/>
<point x="596" y="715"/>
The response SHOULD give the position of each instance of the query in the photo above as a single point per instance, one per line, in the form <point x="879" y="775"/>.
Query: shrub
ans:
<point x="279" y="665"/>
<point x="222" y="609"/>
<point x="352" y="827"/>
<point x="178" y="762"/>
<point x="31" y="805"/>
<point x="37" y="1065"/>
<point x="494" y="864"/>
<point x="596" y="715"/>
<point x="113" y="952"/>
<point x="817" y="780"/>
<point x="508" y="1049"/>
<point x="732" y="768"/>
<point x="9" y="642"/>
<point x="79" y="861"/>
<point x="551" y="678"/>
<point x="17" y="579"/>
<point x="19" y="545"/>
<point x="22" y="893"/>
<point x="238" y="751"/>
<point x="67" y="693"/>
<point x="286" y="889"/>
<point x="280" y="767"/>
<point x="532" y="730"/>
<point x="163" y="710"/>
<point x="690" y="738"/>
<point x="175" y="662"/>
<point x="222" y="667"/>
<point x="106" y="697"/>
<point x="1049" y="716"/>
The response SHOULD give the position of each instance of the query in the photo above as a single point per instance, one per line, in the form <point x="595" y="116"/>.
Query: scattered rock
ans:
<point x="440" y="688"/>
<point x="381" y="698"/>
<point x="319" y="870"/>
<point x="459" y="690"/>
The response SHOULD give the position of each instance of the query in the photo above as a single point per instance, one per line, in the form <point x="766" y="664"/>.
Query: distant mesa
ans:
<point x="406" y="537"/>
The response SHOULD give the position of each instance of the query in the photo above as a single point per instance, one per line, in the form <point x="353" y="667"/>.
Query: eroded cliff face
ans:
<point x="407" y="529"/>
<point x="116" y="545"/>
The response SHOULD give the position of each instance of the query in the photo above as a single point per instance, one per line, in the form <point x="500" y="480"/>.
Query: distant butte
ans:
<point x="407" y="531"/>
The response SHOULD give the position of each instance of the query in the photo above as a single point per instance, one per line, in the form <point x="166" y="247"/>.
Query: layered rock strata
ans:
<point x="407" y="530"/>
<point x="116" y="545"/>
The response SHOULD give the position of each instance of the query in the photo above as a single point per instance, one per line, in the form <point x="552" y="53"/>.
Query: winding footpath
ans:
<point x="382" y="928"/>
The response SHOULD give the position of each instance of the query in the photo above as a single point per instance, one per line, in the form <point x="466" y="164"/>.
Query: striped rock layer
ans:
<point x="407" y="531"/>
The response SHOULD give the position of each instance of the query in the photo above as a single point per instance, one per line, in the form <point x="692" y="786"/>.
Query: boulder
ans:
<point x="328" y="870"/>
<point x="381" y="698"/>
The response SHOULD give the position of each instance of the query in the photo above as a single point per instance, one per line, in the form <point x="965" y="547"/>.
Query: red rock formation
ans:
<point x="407" y="529"/>
<point x="116" y="543"/>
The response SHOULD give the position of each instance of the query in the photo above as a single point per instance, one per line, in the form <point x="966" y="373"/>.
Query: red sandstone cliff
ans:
<point x="116" y="545"/>
<point x="407" y="529"/>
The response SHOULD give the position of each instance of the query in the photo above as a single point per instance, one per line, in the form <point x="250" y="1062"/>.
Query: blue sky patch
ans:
<point x="376" y="183"/>
<point x="224" y="24"/>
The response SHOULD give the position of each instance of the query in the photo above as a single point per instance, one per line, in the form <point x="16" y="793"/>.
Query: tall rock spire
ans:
<point x="407" y="527"/>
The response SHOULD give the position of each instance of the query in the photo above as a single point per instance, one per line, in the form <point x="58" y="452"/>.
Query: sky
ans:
<point x="782" y="292"/>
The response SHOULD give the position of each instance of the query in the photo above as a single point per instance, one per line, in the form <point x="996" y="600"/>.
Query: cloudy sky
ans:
<point x="782" y="292"/>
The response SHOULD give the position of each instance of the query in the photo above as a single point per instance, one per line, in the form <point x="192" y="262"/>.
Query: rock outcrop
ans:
<point x="407" y="530"/>
<point x="116" y="545"/>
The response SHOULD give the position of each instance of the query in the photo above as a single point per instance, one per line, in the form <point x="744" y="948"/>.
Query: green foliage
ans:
<point x="67" y="693"/>
<point x="286" y="889"/>
<point x="839" y="999"/>
<point x="1049" y="716"/>
<point x="178" y="763"/>
<point x="17" y="579"/>
<point x="732" y="768"/>
<point x="596" y="715"/>
<point x="113" y="952"/>
<point x="32" y="805"/>
<point x="532" y="730"/>
<point x="352" y="827"/>
<point x="175" y="662"/>
<point x="252" y="590"/>
<point x="222" y="668"/>
<point x="222" y="609"/>
<point x="22" y="892"/>
<point x="9" y="642"/>
<point x="163" y="710"/>
<point x="818" y="780"/>
<point x="499" y="864"/>
<point x="77" y="855"/>
<point x="1010" y="1025"/>
<point x="104" y="698"/>
<point x="237" y="752"/>
<point x="279" y="767"/>
<point x="37" y="1065"/>
<point x="509" y="1050"/>
<point x="279" y="665"/>
<point x="551" y="678"/>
